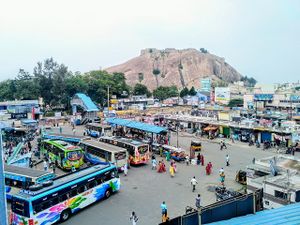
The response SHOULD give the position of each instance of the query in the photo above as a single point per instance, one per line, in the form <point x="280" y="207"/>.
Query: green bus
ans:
<point x="63" y="153"/>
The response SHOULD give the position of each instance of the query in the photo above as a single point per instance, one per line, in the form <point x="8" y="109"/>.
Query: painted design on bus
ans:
<point x="52" y="215"/>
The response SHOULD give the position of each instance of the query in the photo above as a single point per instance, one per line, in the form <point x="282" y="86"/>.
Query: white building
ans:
<point x="280" y="183"/>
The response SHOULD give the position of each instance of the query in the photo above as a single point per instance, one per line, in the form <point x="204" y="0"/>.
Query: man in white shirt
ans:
<point x="227" y="160"/>
<point x="221" y="171"/>
<point x="45" y="165"/>
<point x="193" y="183"/>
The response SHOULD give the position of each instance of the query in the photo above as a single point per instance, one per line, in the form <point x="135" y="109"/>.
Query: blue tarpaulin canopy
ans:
<point x="137" y="125"/>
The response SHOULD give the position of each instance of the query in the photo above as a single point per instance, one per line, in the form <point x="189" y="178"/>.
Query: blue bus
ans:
<point x="58" y="200"/>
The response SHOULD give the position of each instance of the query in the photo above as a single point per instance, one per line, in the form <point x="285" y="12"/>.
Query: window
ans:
<point x="37" y="208"/>
<point x="20" y="207"/>
<point x="46" y="205"/>
<point x="64" y="197"/>
<point x="91" y="184"/>
<point x="73" y="193"/>
<point x="100" y="180"/>
<point x="81" y="189"/>
<point x="55" y="201"/>
<point x="280" y="194"/>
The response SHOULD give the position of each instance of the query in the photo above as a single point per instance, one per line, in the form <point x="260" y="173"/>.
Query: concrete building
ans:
<point x="22" y="109"/>
<point x="279" y="179"/>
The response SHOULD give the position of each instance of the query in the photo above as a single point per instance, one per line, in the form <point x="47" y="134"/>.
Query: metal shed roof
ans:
<point x="287" y="215"/>
<point x="137" y="125"/>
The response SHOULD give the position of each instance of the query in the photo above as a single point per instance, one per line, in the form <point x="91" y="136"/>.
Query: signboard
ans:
<point x="222" y="95"/>
<point x="295" y="98"/>
<point x="58" y="115"/>
<point x="18" y="115"/>
<point x="263" y="97"/>
<point x="205" y="85"/>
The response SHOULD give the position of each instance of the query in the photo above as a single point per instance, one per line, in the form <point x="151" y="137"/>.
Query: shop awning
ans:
<point x="212" y="128"/>
<point x="137" y="125"/>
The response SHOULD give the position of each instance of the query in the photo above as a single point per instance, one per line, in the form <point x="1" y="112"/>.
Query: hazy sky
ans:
<point x="260" y="38"/>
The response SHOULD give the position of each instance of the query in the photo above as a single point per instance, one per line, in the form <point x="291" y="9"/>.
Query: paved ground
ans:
<point x="143" y="190"/>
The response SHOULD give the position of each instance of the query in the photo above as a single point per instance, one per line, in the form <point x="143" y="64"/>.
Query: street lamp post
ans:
<point x="177" y="131"/>
<point x="3" y="206"/>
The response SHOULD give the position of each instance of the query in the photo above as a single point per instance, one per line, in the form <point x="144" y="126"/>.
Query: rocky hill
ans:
<point x="182" y="68"/>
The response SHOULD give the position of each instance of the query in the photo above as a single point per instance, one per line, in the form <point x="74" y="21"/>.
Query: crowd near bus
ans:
<point x="138" y="151"/>
<point x="58" y="200"/>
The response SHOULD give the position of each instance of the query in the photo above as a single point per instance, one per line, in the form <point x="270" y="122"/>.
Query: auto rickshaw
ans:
<point x="196" y="145"/>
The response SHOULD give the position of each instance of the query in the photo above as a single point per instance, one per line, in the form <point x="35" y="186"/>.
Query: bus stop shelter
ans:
<point x="148" y="128"/>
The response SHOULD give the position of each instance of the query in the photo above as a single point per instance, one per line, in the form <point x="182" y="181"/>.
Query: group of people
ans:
<point x="161" y="166"/>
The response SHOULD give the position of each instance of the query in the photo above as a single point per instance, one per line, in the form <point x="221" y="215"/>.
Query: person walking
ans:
<point x="125" y="169"/>
<point x="133" y="218"/>
<point x="45" y="165"/>
<point x="198" y="159"/>
<point x="171" y="170"/>
<point x="198" y="202"/>
<point x="73" y="169"/>
<point x="53" y="167"/>
<point x="221" y="145"/>
<point x="221" y="170"/>
<point x="202" y="159"/>
<point x="227" y="160"/>
<point x="193" y="183"/>
<point x="164" y="210"/>
<point x="154" y="163"/>
<point x="60" y="129"/>
<point x="74" y="131"/>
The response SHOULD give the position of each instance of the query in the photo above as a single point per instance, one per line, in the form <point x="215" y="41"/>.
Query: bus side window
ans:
<point x="37" y="208"/>
<point x="92" y="184"/>
<point x="73" y="193"/>
<point x="64" y="197"/>
<point x="46" y="205"/>
<point x="100" y="180"/>
<point x="107" y="177"/>
<point x="81" y="189"/>
<point x="54" y="201"/>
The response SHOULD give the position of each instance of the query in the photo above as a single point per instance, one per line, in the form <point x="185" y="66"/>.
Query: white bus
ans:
<point x="106" y="152"/>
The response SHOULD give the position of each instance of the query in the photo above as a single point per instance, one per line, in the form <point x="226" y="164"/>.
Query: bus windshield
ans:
<point x="143" y="149"/>
<point x="74" y="155"/>
<point x="20" y="207"/>
<point x="120" y="155"/>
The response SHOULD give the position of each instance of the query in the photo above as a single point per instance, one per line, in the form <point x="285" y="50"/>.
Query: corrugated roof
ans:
<point x="286" y="215"/>
<point x="87" y="101"/>
<point x="137" y="125"/>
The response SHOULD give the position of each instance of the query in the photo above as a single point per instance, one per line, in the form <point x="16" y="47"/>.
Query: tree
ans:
<point x="163" y="93"/>
<point x="7" y="90"/>
<point x="25" y="87"/>
<point x="249" y="81"/>
<point x="192" y="91"/>
<point x="140" y="89"/>
<point x="184" y="92"/>
<point x="203" y="50"/>
<point x="235" y="102"/>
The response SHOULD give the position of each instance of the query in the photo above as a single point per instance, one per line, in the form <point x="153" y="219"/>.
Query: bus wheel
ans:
<point x="107" y="193"/>
<point x="65" y="215"/>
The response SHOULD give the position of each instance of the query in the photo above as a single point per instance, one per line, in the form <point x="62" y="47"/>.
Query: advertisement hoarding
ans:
<point x="222" y="95"/>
